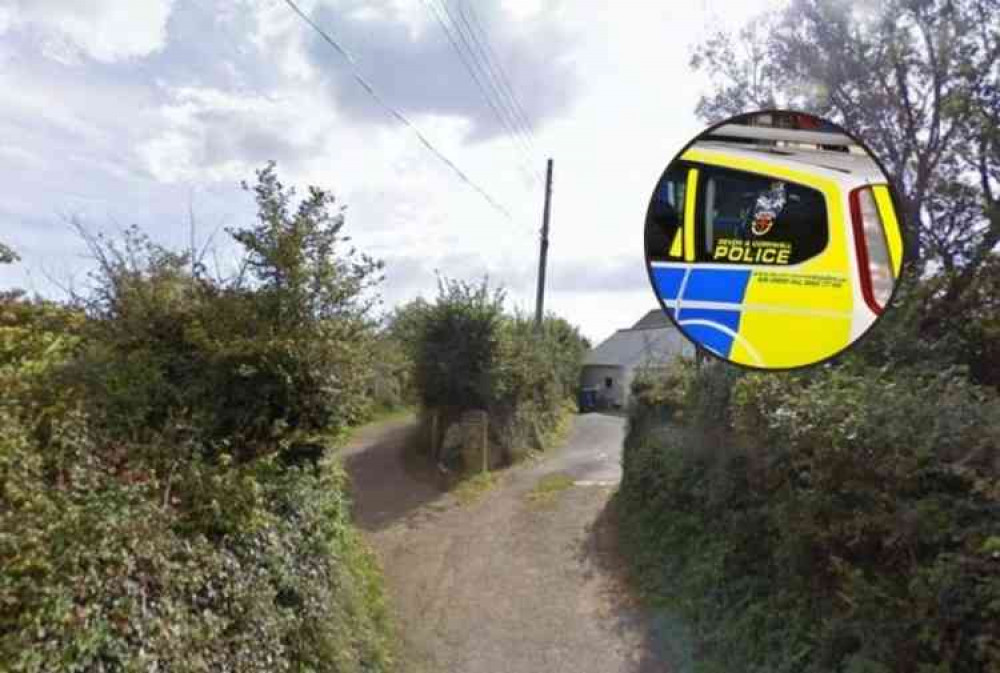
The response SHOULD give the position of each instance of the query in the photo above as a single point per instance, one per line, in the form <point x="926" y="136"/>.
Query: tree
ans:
<point x="917" y="80"/>
<point x="566" y="349"/>
<point x="405" y="325"/>
<point x="306" y="349"/>
<point x="458" y="348"/>
<point x="275" y="355"/>
<point x="7" y="255"/>
<point x="296" y="258"/>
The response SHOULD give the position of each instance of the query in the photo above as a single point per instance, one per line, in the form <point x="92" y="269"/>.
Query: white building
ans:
<point x="609" y="368"/>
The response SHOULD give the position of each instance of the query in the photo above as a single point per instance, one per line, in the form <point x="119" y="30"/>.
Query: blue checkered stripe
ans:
<point x="705" y="303"/>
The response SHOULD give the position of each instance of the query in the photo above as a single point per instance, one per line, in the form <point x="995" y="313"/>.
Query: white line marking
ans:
<point x="759" y="308"/>
<point x="680" y="290"/>
<point x="725" y="330"/>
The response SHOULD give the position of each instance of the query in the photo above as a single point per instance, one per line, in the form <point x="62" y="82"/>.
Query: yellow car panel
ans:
<point x="797" y="313"/>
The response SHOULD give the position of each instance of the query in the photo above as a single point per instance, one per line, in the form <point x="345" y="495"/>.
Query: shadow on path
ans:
<point x="666" y="643"/>
<point x="386" y="486"/>
<point x="507" y="582"/>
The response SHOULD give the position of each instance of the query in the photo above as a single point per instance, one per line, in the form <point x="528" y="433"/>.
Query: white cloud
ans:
<point x="523" y="9"/>
<point x="103" y="30"/>
<point x="6" y="19"/>
<point x="21" y="157"/>
<point x="236" y="86"/>
<point x="211" y="134"/>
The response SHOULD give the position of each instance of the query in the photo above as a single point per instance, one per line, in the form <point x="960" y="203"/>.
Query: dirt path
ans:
<point x="509" y="583"/>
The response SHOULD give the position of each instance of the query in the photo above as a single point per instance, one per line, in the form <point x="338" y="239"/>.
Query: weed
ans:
<point x="470" y="490"/>
<point x="548" y="488"/>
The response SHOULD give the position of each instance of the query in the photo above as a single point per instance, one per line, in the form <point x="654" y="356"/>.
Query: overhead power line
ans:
<point x="439" y="17"/>
<point x="494" y="62"/>
<point x="485" y="55"/>
<point x="505" y="95"/>
<point x="480" y="75"/>
<point x="483" y="58"/>
<point x="399" y="116"/>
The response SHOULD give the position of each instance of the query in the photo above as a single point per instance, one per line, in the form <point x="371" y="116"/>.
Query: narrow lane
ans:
<point x="512" y="582"/>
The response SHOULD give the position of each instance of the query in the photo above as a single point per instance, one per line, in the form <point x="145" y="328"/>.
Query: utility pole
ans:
<point x="544" y="252"/>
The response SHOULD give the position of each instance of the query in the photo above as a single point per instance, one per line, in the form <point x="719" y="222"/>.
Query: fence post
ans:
<point x="434" y="425"/>
<point x="486" y="443"/>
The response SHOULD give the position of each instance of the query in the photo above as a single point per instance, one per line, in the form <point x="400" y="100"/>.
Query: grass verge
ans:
<point x="473" y="488"/>
<point x="548" y="488"/>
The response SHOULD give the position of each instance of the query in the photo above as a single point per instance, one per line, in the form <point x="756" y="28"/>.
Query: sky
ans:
<point x="152" y="112"/>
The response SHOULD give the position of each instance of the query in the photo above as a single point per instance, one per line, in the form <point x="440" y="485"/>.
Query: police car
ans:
<point x="773" y="248"/>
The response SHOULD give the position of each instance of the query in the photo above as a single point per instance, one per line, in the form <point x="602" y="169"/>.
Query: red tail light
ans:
<point x="874" y="264"/>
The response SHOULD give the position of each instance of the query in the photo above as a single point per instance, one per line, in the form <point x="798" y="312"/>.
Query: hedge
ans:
<point x="832" y="521"/>
<point x="168" y="500"/>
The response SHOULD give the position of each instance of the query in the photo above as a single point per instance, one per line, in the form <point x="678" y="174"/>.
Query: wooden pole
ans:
<point x="544" y="252"/>
<point x="486" y="444"/>
<point x="434" y="425"/>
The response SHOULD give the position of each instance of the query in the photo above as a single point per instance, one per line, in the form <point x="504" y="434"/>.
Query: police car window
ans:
<point x="672" y="190"/>
<point x="755" y="219"/>
<point x="666" y="213"/>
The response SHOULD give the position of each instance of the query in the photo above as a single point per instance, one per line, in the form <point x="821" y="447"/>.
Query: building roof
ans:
<point x="655" y="319"/>
<point x="652" y="340"/>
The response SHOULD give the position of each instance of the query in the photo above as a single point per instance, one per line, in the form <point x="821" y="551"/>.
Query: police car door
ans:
<point x="762" y="277"/>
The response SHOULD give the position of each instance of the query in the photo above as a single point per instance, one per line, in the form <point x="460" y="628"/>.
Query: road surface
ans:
<point x="510" y="583"/>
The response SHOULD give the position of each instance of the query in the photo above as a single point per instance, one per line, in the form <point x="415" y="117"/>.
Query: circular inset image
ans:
<point x="773" y="240"/>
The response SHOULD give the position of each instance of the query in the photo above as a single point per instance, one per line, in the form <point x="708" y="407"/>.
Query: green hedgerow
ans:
<point x="823" y="522"/>
<point x="150" y="518"/>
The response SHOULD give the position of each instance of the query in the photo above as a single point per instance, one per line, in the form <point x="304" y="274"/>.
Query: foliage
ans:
<point x="968" y="326"/>
<point x="295" y="259"/>
<point x="7" y="254"/>
<point x="844" y="517"/>
<point x="391" y="384"/>
<point x="405" y="326"/>
<point x="394" y="384"/>
<point x="152" y="516"/>
<point x="658" y="394"/>
<point x="469" y="353"/>
<point x="824" y="521"/>
<point x="471" y="489"/>
<point x="547" y="489"/>
<point x="917" y="81"/>
<point x="458" y="346"/>
<point x="113" y="567"/>
<point x="566" y="347"/>
<point x="276" y="355"/>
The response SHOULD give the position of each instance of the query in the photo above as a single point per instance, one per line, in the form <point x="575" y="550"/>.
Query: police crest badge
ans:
<point x="762" y="223"/>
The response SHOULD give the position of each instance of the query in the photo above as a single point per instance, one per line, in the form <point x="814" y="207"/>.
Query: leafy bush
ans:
<point x="824" y="521"/>
<point x="113" y="567"/>
<point x="458" y="346"/>
<point x="278" y="354"/>
<point x="469" y="353"/>
<point x="565" y="349"/>
<point x="7" y="254"/>
<point x="151" y="516"/>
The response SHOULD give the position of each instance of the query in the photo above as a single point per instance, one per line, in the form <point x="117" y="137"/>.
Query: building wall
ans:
<point x="594" y="376"/>
<point x="627" y="378"/>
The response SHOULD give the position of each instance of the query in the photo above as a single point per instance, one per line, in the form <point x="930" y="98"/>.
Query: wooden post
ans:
<point x="486" y="444"/>
<point x="434" y="425"/>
